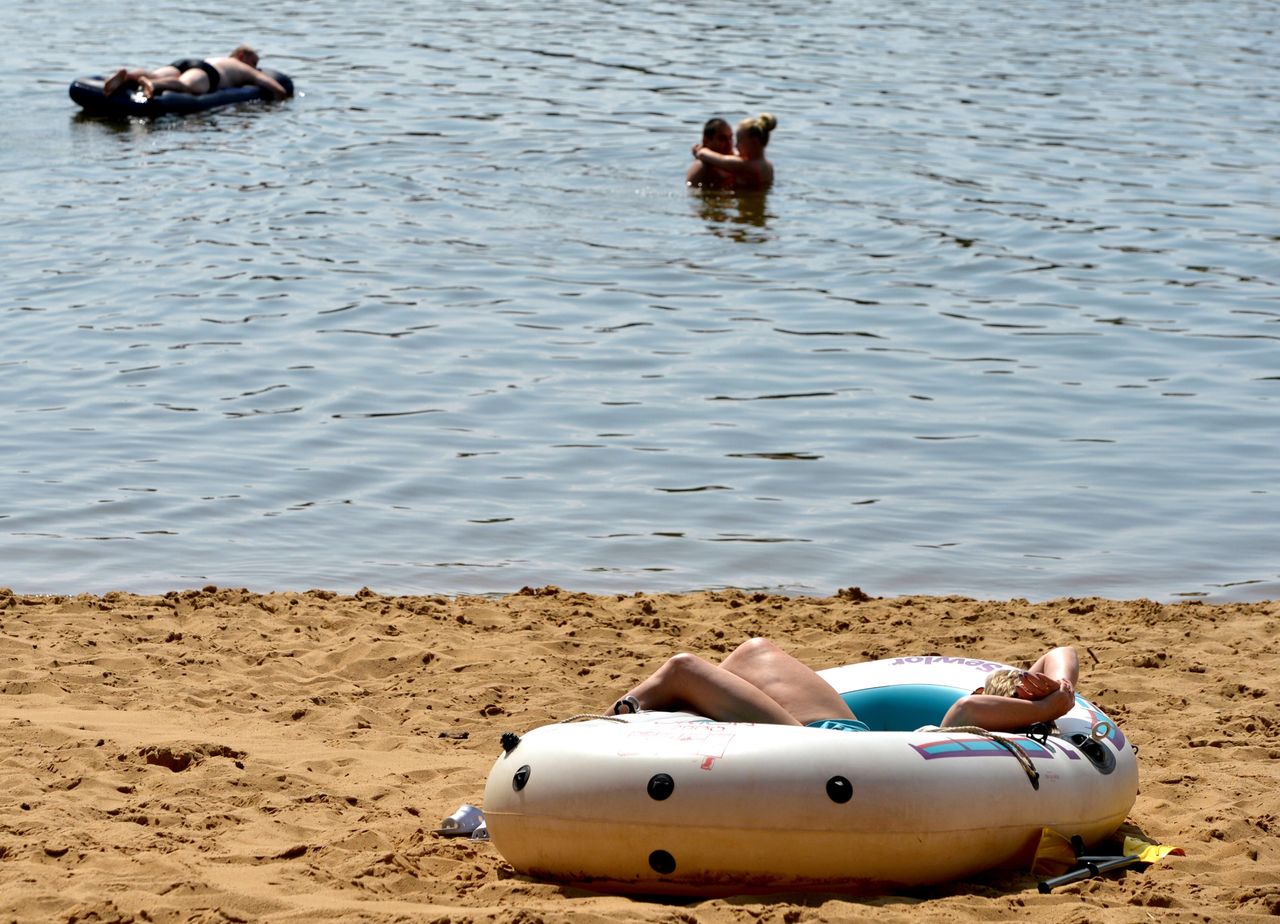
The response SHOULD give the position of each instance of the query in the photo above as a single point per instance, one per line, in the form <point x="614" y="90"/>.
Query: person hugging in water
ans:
<point x="717" y="136"/>
<point x="749" y="169"/>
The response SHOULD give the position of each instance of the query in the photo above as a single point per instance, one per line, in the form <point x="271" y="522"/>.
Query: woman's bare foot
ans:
<point x="114" y="82"/>
<point x="148" y="88"/>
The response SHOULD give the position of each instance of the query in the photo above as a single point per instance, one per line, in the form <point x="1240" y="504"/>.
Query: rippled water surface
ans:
<point x="1007" y="325"/>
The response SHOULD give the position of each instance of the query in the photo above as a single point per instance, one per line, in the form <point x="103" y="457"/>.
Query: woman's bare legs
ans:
<point x="688" y="683"/>
<point x="758" y="682"/>
<point x="790" y="683"/>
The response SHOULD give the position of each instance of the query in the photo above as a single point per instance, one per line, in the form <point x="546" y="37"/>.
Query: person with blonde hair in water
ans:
<point x="749" y="168"/>
<point x="197" y="76"/>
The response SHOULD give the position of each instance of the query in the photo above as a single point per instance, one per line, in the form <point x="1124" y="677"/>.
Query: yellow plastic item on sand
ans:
<point x="1148" y="852"/>
<point x="1055" y="855"/>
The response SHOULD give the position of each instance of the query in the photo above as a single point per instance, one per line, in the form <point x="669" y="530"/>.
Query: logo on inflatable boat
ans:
<point x="985" y="666"/>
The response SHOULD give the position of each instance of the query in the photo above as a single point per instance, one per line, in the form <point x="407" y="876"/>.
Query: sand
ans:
<point x="220" y="755"/>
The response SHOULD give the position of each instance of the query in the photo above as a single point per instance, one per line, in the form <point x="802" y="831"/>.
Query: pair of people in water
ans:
<point x="718" y="166"/>
<point x="197" y="76"/>
<point x="759" y="682"/>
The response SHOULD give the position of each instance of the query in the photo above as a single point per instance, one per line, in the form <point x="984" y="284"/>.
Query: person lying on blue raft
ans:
<point x="199" y="76"/>
<point x="759" y="682"/>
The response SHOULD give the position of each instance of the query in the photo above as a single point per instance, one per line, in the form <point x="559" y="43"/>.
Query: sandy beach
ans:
<point x="221" y="755"/>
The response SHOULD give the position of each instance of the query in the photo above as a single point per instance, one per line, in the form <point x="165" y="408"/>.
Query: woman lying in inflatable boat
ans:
<point x="759" y="682"/>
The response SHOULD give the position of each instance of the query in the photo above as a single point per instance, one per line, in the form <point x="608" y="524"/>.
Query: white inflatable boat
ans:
<point x="672" y="803"/>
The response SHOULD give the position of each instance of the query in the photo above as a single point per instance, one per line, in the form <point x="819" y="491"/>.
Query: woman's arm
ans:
<point x="1004" y="713"/>
<point x="730" y="163"/>
<point x="1059" y="663"/>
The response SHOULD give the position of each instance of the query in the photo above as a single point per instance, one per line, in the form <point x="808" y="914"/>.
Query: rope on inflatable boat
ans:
<point x="590" y="715"/>
<point x="1024" y="760"/>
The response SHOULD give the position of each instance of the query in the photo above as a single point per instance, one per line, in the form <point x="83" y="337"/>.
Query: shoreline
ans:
<point x="218" y="752"/>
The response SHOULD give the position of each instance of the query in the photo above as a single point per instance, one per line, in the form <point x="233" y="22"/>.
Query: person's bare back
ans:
<point x="238" y="72"/>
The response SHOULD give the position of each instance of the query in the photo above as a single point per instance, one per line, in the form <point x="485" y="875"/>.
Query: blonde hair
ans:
<point x="761" y="126"/>
<point x="1003" y="682"/>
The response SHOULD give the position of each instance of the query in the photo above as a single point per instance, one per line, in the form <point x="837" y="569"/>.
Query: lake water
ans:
<point x="1008" y="324"/>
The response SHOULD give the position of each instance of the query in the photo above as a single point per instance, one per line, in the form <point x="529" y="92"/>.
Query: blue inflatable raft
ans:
<point x="129" y="101"/>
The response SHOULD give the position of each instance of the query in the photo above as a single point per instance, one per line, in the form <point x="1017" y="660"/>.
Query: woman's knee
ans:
<point x="755" y="648"/>
<point x="754" y="658"/>
<point x="683" y="664"/>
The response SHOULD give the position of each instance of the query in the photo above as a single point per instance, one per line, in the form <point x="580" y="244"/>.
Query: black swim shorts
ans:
<point x="186" y="64"/>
